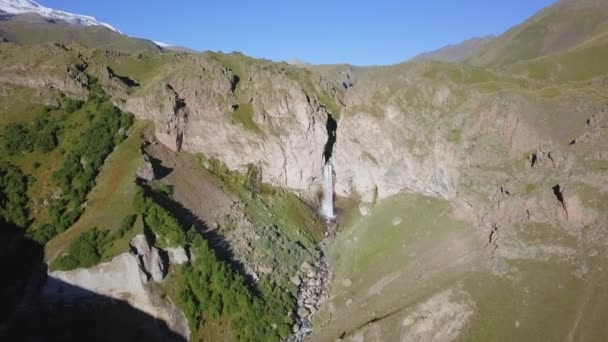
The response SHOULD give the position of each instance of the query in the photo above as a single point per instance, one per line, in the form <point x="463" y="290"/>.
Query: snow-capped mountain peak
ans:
<point x="161" y="44"/>
<point x="27" y="6"/>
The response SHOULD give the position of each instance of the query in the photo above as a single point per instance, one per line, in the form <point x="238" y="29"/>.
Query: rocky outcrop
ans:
<point x="202" y="107"/>
<point x="122" y="279"/>
<point x="170" y="112"/>
<point x="152" y="263"/>
<point x="375" y="157"/>
<point x="146" y="171"/>
<point x="126" y="277"/>
<point x="178" y="255"/>
<point x="45" y="66"/>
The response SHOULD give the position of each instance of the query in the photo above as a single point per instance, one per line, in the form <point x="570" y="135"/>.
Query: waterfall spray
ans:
<point x="327" y="205"/>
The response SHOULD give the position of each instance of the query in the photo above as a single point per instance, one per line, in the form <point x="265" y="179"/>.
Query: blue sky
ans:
<point x="319" y="32"/>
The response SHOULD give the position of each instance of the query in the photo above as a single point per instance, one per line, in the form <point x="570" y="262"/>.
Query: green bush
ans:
<point x="17" y="139"/>
<point x="159" y="220"/>
<point x="72" y="105"/>
<point x="165" y="189"/>
<point x="76" y="175"/>
<point x="13" y="198"/>
<point x="125" y="226"/>
<point x="44" y="233"/>
<point x="84" y="251"/>
<point x="46" y="139"/>
<point x="88" y="248"/>
<point x="41" y="135"/>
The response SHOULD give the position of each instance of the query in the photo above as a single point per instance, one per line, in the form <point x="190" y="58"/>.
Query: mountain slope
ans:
<point x="456" y="53"/>
<point x="28" y="6"/>
<point x="472" y="200"/>
<point x="556" y="29"/>
<point x="32" y="28"/>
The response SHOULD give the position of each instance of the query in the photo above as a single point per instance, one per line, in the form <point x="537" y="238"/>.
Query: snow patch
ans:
<point x="161" y="44"/>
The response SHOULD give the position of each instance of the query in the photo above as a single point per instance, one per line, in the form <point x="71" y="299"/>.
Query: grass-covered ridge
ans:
<point x="61" y="152"/>
<point x="110" y="200"/>
<point x="88" y="248"/>
<point x="556" y="29"/>
<point x="28" y="32"/>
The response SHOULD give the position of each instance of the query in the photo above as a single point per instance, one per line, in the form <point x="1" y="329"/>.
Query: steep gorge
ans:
<point x="474" y="197"/>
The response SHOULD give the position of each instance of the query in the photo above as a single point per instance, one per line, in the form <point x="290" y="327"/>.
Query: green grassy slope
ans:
<point x="407" y="248"/>
<point x="31" y="29"/>
<point x="556" y="29"/>
<point x="387" y="271"/>
<point x="110" y="200"/>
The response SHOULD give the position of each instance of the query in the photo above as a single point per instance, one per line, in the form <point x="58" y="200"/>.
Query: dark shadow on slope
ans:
<point x="234" y="83"/>
<point x="332" y="127"/>
<point x="160" y="171"/>
<point x="129" y="82"/>
<point x="23" y="269"/>
<point x="558" y="192"/>
<point x="70" y="313"/>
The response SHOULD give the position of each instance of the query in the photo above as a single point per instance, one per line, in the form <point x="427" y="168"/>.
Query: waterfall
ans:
<point x="327" y="206"/>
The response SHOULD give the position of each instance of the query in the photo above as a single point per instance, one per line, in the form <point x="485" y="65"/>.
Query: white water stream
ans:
<point x="327" y="205"/>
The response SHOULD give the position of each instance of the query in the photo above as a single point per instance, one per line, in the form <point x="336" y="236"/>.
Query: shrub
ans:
<point x="76" y="175"/>
<point x="159" y="220"/>
<point x="72" y="105"/>
<point x="84" y="251"/>
<point x="165" y="189"/>
<point x="44" y="233"/>
<point x="13" y="198"/>
<point x="16" y="139"/>
<point x="46" y="139"/>
<point x="125" y="226"/>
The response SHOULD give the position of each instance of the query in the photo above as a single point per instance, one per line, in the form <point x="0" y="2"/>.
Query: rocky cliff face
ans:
<point x="268" y="119"/>
<point x="410" y="127"/>
<point x="279" y="117"/>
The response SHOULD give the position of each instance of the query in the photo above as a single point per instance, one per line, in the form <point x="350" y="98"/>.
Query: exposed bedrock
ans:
<point x="126" y="277"/>
<point x="286" y="135"/>
<point x="389" y="141"/>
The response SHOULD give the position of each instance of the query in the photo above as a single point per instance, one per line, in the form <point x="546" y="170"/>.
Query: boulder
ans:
<point x="146" y="172"/>
<point x="305" y="266"/>
<point x="156" y="265"/>
<point x="296" y="280"/>
<point x="302" y="312"/>
<point x="266" y="269"/>
<point x="139" y="245"/>
<point x="364" y="210"/>
<point x="152" y="262"/>
<point x="178" y="256"/>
